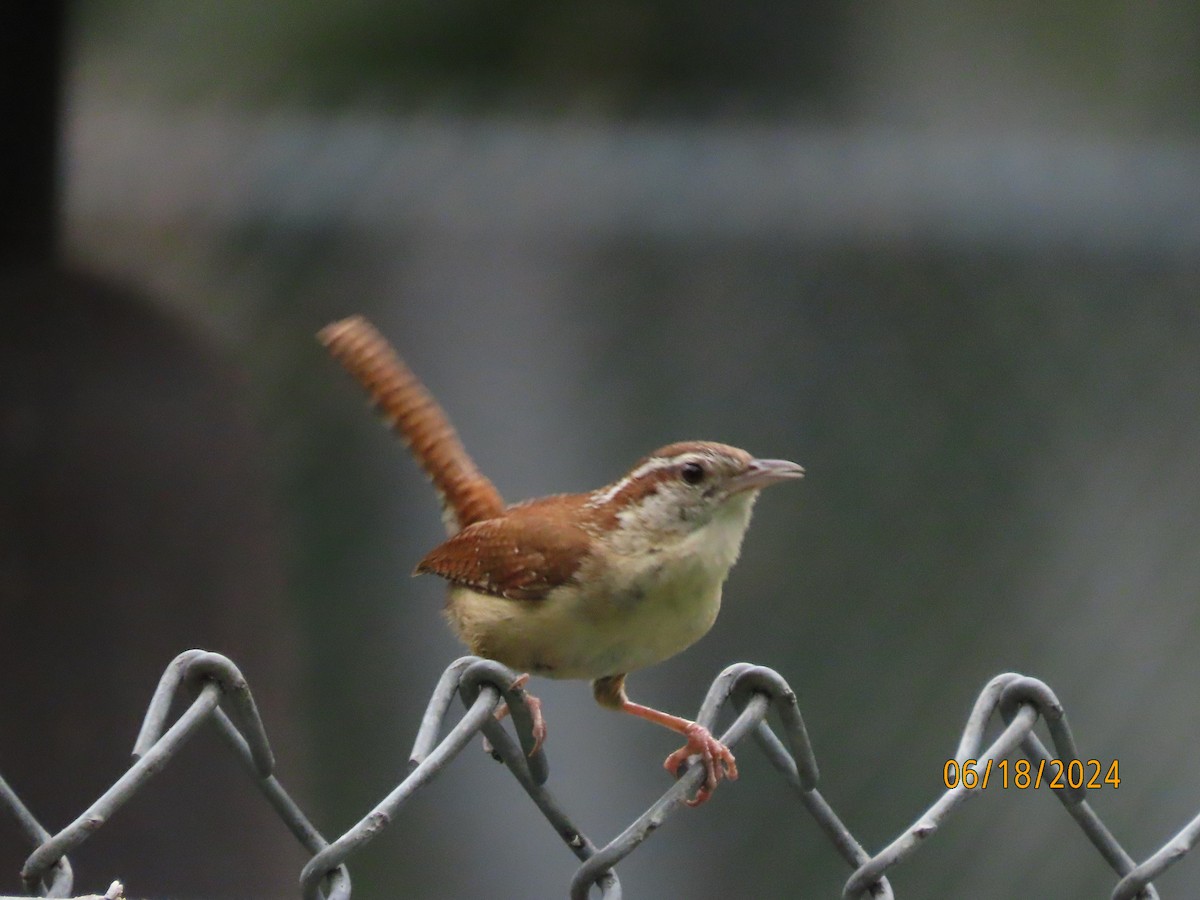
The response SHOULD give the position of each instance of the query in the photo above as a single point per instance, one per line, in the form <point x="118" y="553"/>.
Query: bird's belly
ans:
<point x="571" y="634"/>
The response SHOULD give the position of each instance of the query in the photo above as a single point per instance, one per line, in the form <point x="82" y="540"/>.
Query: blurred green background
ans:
<point x="945" y="256"/>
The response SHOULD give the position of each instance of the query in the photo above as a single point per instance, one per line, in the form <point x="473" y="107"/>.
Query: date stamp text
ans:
<point x="1075" y="774"/>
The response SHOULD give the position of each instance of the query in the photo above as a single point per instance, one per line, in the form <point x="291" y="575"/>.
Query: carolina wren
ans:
<point x="591" y="585"/>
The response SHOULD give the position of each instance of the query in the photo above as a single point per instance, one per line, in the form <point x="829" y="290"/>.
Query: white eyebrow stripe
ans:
<point x="651" y="465"/>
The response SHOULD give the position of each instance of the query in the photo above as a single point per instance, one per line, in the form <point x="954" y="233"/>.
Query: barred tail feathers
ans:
<point x="467" y="495"/>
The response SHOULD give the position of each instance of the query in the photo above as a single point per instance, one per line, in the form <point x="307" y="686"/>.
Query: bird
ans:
<point x="590" y="585"/>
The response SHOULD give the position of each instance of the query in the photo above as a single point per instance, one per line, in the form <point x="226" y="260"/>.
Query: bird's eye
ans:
<point x="692" y="472"/>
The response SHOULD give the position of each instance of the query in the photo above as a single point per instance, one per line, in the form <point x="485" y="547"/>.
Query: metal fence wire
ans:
<point x="221" y="695"/>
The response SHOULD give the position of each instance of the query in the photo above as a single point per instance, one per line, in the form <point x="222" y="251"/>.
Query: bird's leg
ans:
<point x="534" y="705"/>
<point x="717" y="758"/>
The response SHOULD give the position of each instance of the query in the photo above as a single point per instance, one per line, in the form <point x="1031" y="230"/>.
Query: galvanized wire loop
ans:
<point x="1136" y="882"/>
<point x="150" y="764"/>
<point x="328" y="859"/>
<point x="649" y="821"/>
<point x="337" y="882"/>
<point x="751" y="680"/>
<point x="985" y="706"/>
<point x="1102" y="839"/>
<point x="58" y="880"/>
<point x="797" y="765"/>
<point x="194" y="667"/>
<point x="908" y="842"/>
<point x="1018" y="692"/>
<point x="1020" y="701"/>
<point x="486" y="671"/>
<point x="429" y="734"/>
<point x="1021" y="690"/>
<point x="216" y="680"/>
<point x="482" y="684"/>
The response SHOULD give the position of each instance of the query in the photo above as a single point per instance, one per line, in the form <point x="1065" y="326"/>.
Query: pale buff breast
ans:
<point x="653" y="609"/>
<point x="546" y="637"/>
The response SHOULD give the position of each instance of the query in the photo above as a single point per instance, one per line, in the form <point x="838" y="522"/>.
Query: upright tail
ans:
<point x="466" y="493"/>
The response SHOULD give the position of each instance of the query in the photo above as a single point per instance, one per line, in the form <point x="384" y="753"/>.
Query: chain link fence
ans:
<point x="220" y="694"/>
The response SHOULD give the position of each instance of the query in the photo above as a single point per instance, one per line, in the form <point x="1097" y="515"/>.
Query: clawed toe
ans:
<point x="539" y="723"/>
<point x="534" y="705"/>
<point x="717" y="759"/>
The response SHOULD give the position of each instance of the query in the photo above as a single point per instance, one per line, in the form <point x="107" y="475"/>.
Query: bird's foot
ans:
<point x="534" y="705"/>
<point x="717" y="758"/>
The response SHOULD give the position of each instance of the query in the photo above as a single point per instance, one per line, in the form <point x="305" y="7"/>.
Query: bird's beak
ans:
<point x="761" y="472"/>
